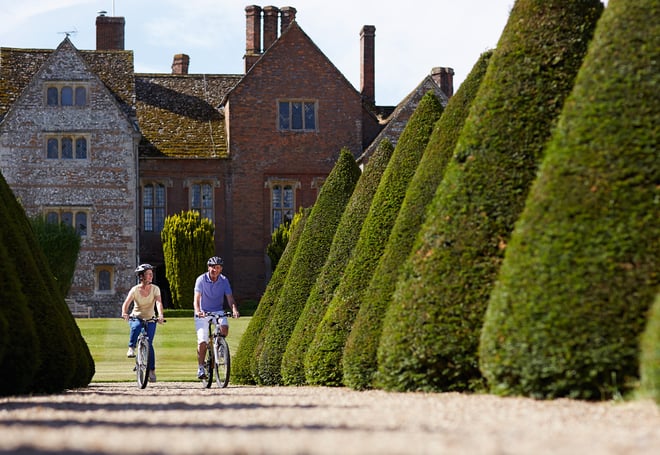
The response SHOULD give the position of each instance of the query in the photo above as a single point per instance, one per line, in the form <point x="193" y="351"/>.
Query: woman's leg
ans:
<point x="151" y="333"/>
<point x="134" y="324"/>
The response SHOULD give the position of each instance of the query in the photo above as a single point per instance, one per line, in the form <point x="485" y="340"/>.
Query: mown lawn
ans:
<point x="175" y="344"/>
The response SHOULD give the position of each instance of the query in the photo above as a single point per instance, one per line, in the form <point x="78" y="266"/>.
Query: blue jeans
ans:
<point x="136" y="326"/>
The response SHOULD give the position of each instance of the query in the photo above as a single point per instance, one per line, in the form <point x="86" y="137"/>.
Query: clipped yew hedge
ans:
<point x="650" y="354"/>
<point x="582" y="268"/>
<point x="323" y="359"/>
<point x="359" y="359"/>
<point x="307" y="262"/>
<point x="62" y="358"/>
<point x="244" y="363"/>
<point x="434" y="321"/>
<point x="188" y="242"/>
<point x="346" y="236"/>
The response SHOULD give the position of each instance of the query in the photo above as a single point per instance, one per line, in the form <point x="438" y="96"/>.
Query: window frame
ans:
<point x="272" y="184"/>
<point x="156" y="226"/>
<point x="73" y="139"/>
<point x="289" y="124"/>
<point x="98" y="270"/>
<point x="63" y="213"/>
<point x="58" y="87"/>
<point x="212" y="184"/>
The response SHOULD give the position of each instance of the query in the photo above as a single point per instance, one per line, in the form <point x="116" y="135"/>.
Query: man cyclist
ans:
<point x="211" y="288"/>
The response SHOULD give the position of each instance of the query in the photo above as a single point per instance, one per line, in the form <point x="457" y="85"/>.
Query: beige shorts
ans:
<point x="202" y="328"/>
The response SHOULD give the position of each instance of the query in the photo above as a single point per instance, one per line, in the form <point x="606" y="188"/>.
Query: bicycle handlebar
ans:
<point x="151" y="319"/>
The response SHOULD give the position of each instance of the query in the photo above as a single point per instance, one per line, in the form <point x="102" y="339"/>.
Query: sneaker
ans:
<point x="152" y="376"/>
<point x="130" y="352"/>
<point x="201" y="374"/>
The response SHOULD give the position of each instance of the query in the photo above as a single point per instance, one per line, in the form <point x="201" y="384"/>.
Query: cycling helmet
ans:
<point x="215" y="260"/>
<point x="143" y="268"/>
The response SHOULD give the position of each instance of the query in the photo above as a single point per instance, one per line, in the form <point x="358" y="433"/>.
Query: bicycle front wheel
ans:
<point x="141" y="359"/>
<point x="222" y="362"/>
<point x="208" y="367"/>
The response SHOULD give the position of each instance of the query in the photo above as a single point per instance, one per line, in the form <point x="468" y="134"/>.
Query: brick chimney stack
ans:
<point x="368" y="63"/>
<point x="109" y="32"/>
<point x="253" y="35"/>
<point x="444" y="77"/>
<point x="180" y="64"/>
<point x="270" y="25"/>
<point x="288" y="16"/>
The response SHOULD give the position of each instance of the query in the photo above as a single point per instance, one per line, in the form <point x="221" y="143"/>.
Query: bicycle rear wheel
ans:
<point x="208" y="367"/>
<point x="141" y="359"/>
<point x="222" y="362"/>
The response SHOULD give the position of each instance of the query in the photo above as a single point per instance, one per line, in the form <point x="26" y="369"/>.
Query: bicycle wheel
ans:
<point x="208" y="367"/>
<point x="141" y="359"/>
<point x="222" y="362"/>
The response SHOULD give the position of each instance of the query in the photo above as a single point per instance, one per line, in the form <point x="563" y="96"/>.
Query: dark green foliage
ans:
<point x="278" y="240"/>
<point x="435" y="318"/>
<point x="359" y="360"/>
<point x="61" y="244"/>
<point x="307" y="262"/>
<point x="346" y="237"/>
<point x="323" y="359"/>
<point x="650" y="354"/>
<point x="244" y="363"/>
<point x="187" y="244"/>
<point x="582" y="267"/>
<point x="62" y="358"/>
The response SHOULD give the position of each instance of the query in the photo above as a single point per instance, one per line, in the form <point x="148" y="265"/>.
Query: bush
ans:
<point x="60" y="244"/>
<point x="307" y="263"/>
<point x="187" y="244"/>
<point x="434" y="320"/>
<point x="244" y="363"/>
<point x="346" y="236"/>
<point x="278" y="240"/>
<point x="323" y="358"/>
<point x="582" y="266"/>
<point x="359" y="359"/>
<point x="650" y="354"/>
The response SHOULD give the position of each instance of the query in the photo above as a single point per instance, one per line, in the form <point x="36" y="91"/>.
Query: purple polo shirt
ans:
<point x="213" y="294"/>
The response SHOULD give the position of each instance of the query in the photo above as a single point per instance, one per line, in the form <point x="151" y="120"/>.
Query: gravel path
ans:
<point x="183" y="418"/>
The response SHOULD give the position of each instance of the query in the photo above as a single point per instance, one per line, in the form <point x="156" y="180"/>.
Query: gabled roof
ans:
<point x="19" y="66"/>
<point x="397" y="121"/>
<point x="178" y="114"/>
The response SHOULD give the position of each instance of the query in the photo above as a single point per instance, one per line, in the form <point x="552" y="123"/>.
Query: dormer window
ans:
<point x="66" y="94"/>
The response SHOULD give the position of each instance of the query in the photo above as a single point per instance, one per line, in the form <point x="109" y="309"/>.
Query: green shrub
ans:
<point x="581" y="269"/>
<point x="435" y="318"/>
<point x="323" y="359"/>
<point x="60" y="244"/>
<point x="346" y="236"/>
<point x="187" y="244"/>
<point x="244" y="363"/>
<point x="359" y="359"/>
<point x="278" y="240"/>
<point x="307" y="263"/>
<point x="650" y="354"/>
<point x="65" y="360"/>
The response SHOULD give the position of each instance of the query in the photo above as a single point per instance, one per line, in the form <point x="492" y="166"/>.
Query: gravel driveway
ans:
<point x="183" y="418"/>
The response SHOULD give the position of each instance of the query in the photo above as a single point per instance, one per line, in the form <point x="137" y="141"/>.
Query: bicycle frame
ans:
<point x="217" y="358"/>
<point x="142" y="352"/>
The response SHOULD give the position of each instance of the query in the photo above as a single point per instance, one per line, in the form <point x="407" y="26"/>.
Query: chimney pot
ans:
<point x="180" y="64"/>
<point x="270" y="25"/>
<point x="253" y="35"/>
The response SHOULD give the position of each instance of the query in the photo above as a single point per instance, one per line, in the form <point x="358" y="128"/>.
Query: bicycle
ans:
<point x="217" y="358"/>
<point x="142" y="352"/>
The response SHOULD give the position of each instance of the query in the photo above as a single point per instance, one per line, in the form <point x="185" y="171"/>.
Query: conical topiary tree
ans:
<point x="650" y="354"/>
<point x="244" y="363"/>
<point x="434" y="321"/>
<point x="346" y="236"/>
<point x="65" y="361"/>
<point x="187" y="244"/>
<point x="307" y="263"/>
<point x="582" y="267"/>
<point x="359" y="359"/>
<point x="323" y="359"/>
